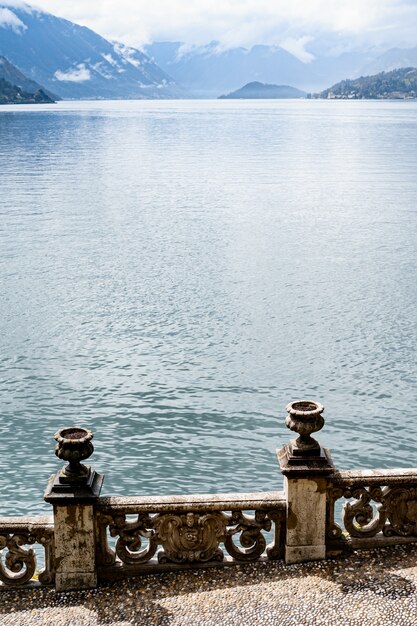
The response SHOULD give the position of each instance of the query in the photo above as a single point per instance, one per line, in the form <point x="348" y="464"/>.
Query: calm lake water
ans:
<point x="173" y="273"/>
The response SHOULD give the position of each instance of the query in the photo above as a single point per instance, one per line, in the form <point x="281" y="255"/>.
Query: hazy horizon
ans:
<point x="305" y="28"/>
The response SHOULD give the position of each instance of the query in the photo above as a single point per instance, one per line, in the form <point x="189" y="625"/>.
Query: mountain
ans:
<point x="257" y="90"/>
<point x="400" y="84"/>
<point x="12" y="75"/>
<point x="390" y="60"/>
<point x="208" y="71"/>
<point x="12" y="94"/>
<point x="74" y="61"/>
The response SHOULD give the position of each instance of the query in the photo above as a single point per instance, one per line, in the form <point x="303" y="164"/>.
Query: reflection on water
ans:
<point x="173" y="273"/>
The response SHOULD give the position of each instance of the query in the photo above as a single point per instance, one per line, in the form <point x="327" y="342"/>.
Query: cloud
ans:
<point x="297" y="48"/>
<point x="79" y="74"/>
<point x="16" y="4"/>
<point x="242" y="22"/>
<point x="9" y="20"/>
<point x="127" y="54"/>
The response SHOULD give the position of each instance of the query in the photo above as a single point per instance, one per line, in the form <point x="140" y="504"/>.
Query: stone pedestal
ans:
<point x="305" y="465"/>
<point x="74" y="534"/>
<point x="306" y="519"/>
<point x="75" y="547"/>
<point x="73" y="491"/>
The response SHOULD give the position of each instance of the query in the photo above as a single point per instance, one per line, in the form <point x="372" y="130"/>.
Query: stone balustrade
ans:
<point x="92" y="538"/>
<point x="188" y="531"/>
<point x="20" y="564"/>
<point x="381" y="508"/>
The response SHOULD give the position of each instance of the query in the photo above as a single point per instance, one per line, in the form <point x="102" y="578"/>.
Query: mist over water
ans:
<point x="173" y="273"/>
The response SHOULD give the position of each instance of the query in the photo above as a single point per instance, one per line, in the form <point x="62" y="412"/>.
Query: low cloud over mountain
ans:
<point x="73" y="61"/>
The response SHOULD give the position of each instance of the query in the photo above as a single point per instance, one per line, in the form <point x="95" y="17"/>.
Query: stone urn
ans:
<point x="74" y="445"/>
<point x="304" y="417"/>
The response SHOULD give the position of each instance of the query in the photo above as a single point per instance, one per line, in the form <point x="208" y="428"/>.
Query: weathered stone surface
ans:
<point x="388" y="477"/>
<point x="300" y="554"/>
<point x="306" y="519"/>
<point x="194" y="502"/>
<point x="75" y="547"/>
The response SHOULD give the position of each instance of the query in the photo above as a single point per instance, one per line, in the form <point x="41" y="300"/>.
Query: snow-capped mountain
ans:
<point x="74" y="61"/>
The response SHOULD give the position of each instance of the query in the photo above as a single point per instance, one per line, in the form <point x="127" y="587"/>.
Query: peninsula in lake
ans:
<point x="256" y="90"/>
<point x="398" y="84"/>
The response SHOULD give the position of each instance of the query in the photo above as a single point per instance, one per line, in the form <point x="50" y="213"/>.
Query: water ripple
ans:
<point x="173" y="273"/>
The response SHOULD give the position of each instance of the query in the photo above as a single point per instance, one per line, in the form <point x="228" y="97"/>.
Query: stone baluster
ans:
<point x="305" y="465"/>
<point x="72" y="491"/>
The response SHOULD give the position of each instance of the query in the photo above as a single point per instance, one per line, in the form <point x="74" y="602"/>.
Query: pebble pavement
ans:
<point x="375" y="587"/>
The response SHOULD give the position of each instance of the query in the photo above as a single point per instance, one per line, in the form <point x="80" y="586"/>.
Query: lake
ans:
<point x="174" y="273"/>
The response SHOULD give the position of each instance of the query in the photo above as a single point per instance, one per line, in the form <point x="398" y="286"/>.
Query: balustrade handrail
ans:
<point x="25" y="522"/>
<point x="267" y="500"/>
<point x="370" y="477"/>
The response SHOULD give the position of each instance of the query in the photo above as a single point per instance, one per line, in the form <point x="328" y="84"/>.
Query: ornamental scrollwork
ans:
<point x="275" y="550"/>
<point x="130" y="538"/>
<point x="46" y="538"/>
<point x="106" y="556"/>
<point x="360" y="518"/>
<point x="185" y="537"/>
<point x="190" y="537"/>
<point x="334" y="531"/>
<point x="19" y="564"/>
<point x="401" y="503"/>
<point x="374" y="509"/>
<point x="251" y="538"/>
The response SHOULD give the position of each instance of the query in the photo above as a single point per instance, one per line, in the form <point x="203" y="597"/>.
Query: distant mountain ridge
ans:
<point x="74" y="61"/>
<point x="211" y="70"/>
<point x="400" y="83"/>
<point x="256" y="90"/>
<point x="390" y="60"/>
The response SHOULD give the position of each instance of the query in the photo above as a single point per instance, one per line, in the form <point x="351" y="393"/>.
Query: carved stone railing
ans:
<point x="381" y="508"/>
<point x="187" y="531"/>
<point x="93" y="538"/>
<point x="18" y="564"/>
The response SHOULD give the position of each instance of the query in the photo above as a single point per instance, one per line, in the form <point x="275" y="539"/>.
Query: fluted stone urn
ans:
<point x="304" y="454"/>
<point x="74" y="445"/>
<point x="305" y="417"/>
<point x="75" y="481"/>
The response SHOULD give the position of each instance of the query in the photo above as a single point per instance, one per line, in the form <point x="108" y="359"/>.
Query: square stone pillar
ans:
<point x="75" y="547"/>
<point x="74" y="533"/>
<point x="306" y="519"/>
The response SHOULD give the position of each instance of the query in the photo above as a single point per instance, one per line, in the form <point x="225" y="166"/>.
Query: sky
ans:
<point x="295" y="24"/>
